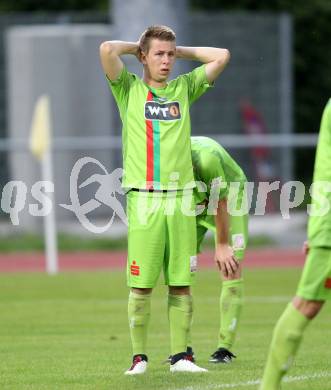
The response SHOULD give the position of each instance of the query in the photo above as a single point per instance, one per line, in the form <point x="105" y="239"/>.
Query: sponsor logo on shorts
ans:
<point x="238" y="241"/>
<point x="134" y="269"/>
<point x="193" y="263"/>
<point x="162" y="112"/>
<point x="327" y="283"/>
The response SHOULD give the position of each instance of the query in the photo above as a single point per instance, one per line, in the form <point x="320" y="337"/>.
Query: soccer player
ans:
<point x="214" y="167"/>
<point x="158" y="165"/>
<point x="315" y="284"/>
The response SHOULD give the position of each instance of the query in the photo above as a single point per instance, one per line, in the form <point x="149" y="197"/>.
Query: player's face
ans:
<point x="160" y="59"/>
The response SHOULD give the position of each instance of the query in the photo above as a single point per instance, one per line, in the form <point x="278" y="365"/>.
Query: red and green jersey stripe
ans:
<point x="153" y="175"/>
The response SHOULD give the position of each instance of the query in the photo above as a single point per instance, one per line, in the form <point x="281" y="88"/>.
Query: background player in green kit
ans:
<point x="315" y="284"/>
<point x="211" y="161"/>
<point x="157" y="154"/>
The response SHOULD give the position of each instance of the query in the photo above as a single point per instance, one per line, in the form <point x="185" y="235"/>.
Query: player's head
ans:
<point x="157" y="46"/>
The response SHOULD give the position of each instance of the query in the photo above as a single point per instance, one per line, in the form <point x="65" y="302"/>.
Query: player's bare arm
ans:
<point x="110" y="54"/>
<point x="224" y="255"/>
<point x="215" y="59"/>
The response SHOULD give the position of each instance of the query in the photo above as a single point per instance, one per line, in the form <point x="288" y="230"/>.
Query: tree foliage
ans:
<point x="52" y="5"/>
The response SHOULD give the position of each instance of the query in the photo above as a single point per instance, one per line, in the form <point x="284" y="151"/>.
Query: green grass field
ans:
<point x="70" y="332"/>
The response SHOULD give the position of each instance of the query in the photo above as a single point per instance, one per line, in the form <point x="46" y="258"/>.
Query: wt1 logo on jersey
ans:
<point x="162" y="112"/>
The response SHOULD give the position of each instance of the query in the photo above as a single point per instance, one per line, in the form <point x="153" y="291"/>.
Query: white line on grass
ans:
<point x="257" y="382"/>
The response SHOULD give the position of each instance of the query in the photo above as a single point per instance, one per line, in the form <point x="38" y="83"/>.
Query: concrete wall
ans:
<point x="63" y="62"/>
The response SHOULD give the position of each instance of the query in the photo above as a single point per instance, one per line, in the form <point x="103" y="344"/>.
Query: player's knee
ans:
<point x="235" y="276"/>
<point x="141" y="291"/>
<point x="179" y="290"/>
<point x="309" y="308"/>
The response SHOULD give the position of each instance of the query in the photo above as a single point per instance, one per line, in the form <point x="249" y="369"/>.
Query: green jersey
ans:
<point x="319" y="227"/>
<point x="212" y="161"/>
<point x="156" y="129"/>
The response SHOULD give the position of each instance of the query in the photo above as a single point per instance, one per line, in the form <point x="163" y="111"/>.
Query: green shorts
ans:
<point x="160" y="235"/>
<point x="315" y="282"/>
<point x="238" y="229"/>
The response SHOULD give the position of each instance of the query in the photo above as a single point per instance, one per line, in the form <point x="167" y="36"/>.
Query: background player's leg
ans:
<point x="313" y="290"/>
<point x="284" y="345"/>
<point x="231" y="302"/>
<point x="232" y="292"/>
<point x="201" y="232"/>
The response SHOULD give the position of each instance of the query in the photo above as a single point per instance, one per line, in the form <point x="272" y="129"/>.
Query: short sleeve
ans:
<point x="198" y="83"/>
<point x="213" y="173"/>
<point x="121" y="86"/>
<point x="322" y="171"/>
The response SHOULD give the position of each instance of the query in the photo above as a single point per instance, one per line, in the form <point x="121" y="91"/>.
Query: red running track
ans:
<point x="87" y="261"/>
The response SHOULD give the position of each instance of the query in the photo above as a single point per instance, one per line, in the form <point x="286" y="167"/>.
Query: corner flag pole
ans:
<point x="40" y="146"/>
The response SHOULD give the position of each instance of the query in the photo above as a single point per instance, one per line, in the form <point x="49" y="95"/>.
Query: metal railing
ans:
<point x="115" y="142"/>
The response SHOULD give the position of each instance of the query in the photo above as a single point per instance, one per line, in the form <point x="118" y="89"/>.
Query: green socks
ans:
<point x="180" y="317"/>
<point x="285" y="342"/>
<point x="139" y="312"/>
<point x="180" y="309"/>
<point x="231" y="301"/>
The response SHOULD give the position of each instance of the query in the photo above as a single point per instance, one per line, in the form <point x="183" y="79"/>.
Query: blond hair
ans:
<point x="163" y="33"/>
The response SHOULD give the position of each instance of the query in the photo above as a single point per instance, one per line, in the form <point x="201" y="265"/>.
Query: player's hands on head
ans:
<point x="138" y="53"/>
<point x="305" y="248"/>
<point x="225" y="260"/>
